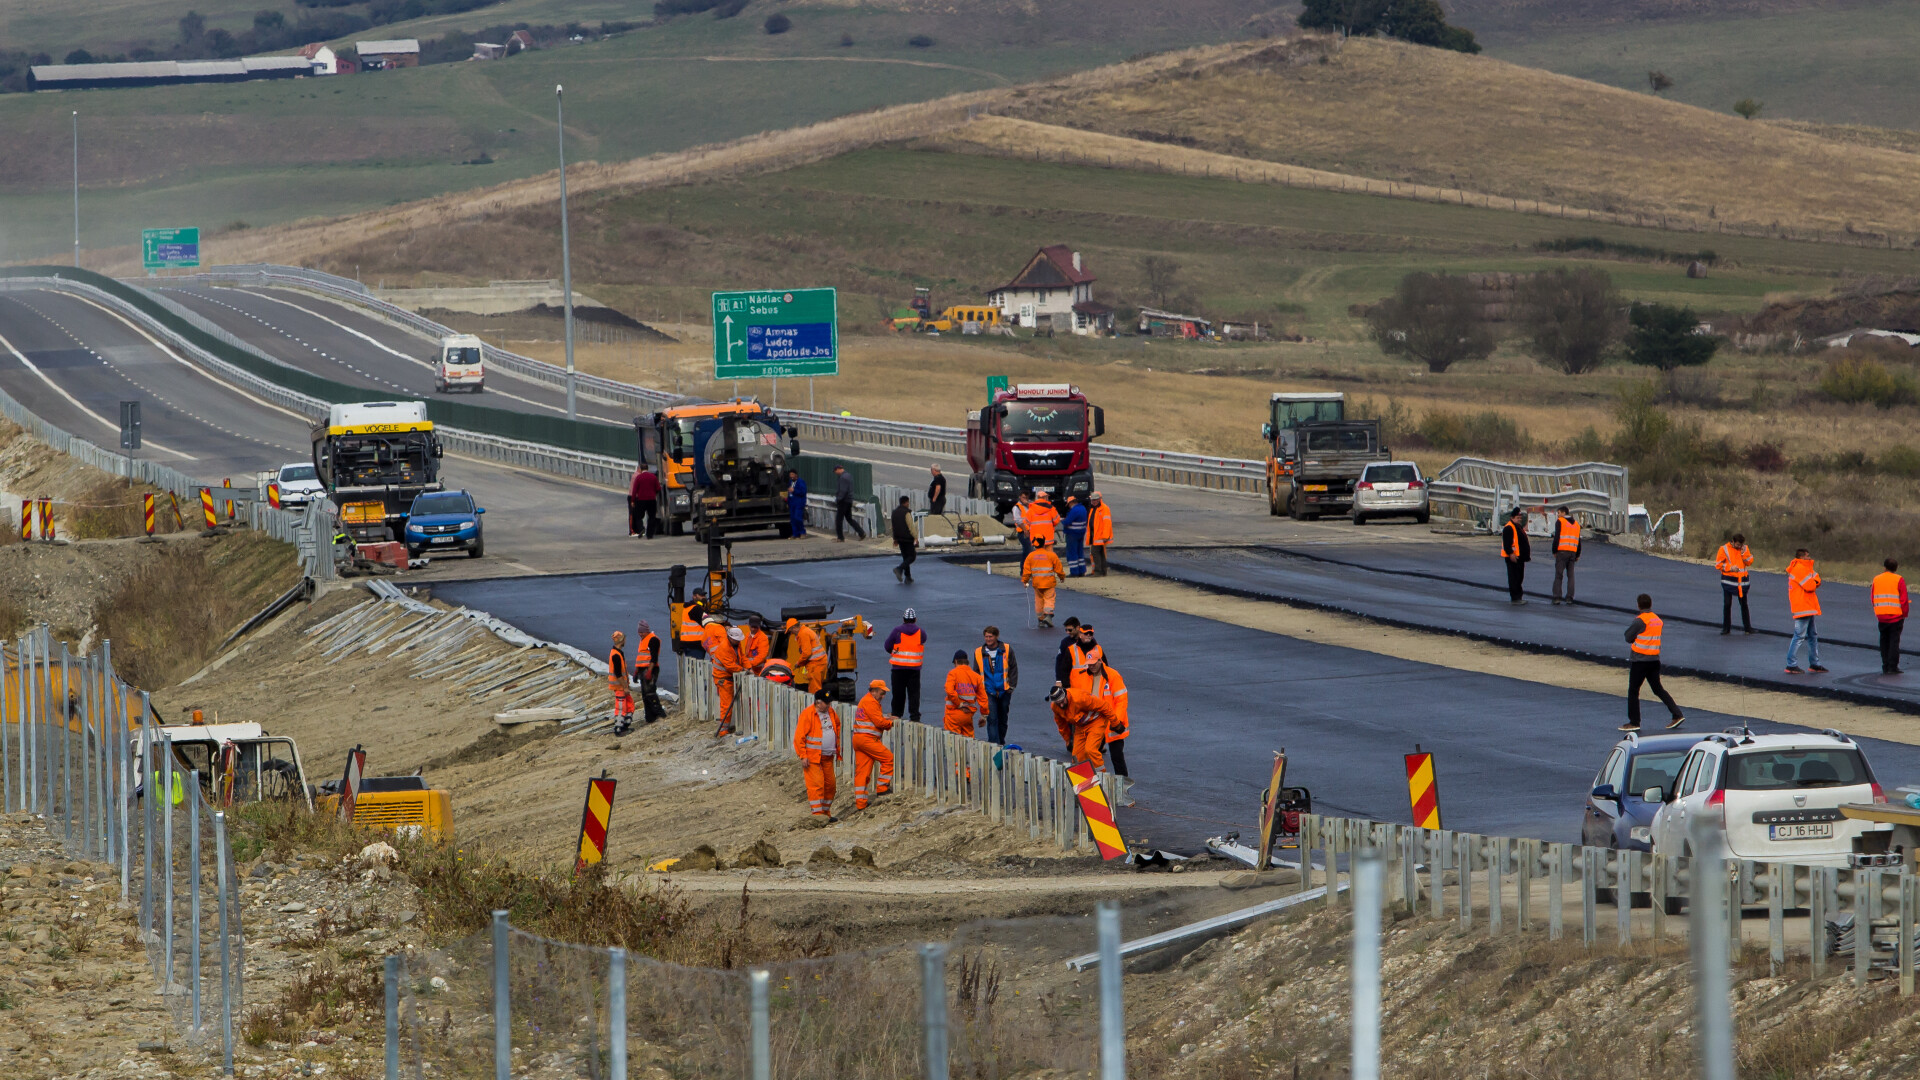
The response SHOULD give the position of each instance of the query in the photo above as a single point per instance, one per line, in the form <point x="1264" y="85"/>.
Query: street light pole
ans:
<point x="76" y="188"/>
<point x="566" y="255"/>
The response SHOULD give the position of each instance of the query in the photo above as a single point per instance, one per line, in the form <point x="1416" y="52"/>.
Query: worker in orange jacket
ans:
<point x="1803" y="600"/>
<point x="717" y="638"/>
<point x="1082" y="713"/>
<point x="617" y="682"/>
<point x="1733" y="560"/>
<point x="816" y="741"/>
<point x="755" y="648"/>
<point x="808" y="654"/>
<point x="869" y="720"/>
<point x="1890" y="608"/>
<point x="1043" y="570"/>
<point x="966" y="696"/>
<point x="1099" y="532"/>
<point x="1101" y="677"/>
<point x="1042" y="520"/>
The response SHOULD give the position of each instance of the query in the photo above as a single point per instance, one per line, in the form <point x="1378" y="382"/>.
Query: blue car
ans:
<point x="1618" y="814"/>
<point x="445" y="521"/>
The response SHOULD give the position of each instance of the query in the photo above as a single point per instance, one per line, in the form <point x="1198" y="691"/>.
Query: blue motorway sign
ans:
<point x="775" y="334"/>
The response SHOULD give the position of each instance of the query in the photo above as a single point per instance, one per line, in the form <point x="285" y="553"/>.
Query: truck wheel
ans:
<point x="439" y="386"/>
<point x="676" y="527"/>
<point x="1359" y="518"/>
<point x="1293" y="506"/>
<point x="976" y="489"/>
<point x="1422" y="517"/>
<point x="1273" y="504"/>
<point x="478" y="387"/>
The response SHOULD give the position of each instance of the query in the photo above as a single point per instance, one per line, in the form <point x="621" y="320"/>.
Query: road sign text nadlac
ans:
<point x="166" y="249"/>
<point x="775" y="334"/>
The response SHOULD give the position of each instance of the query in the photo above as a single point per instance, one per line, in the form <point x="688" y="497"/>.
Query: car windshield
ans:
<point x="446" y="502"/>
<point x="1655" y="770"/>
<point x="298" y="472"/>
<point x="1391" y="474"/>
<point x="1764" y="770"/>
<point x="1044" y="420"/>
<point x="1328" y="442"/>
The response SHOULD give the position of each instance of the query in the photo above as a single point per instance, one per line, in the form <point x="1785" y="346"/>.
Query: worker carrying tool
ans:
<point x="1566" y="551"/>
<point x="755" y="646"/>
<point x="869" y="720"/>
<point x="1043" y="570"/>
<point x="1515" y="549"/>
<point x="966" y="696"/>
<point x="1099" y="532"/>
<point x="1082" y="715"/>
<point x="1733" y="560"/>
<point x="1890" y="606"/>
<point x="1643" y="641"/>
<point x="1803" y="599"/>
<point x="816" y="741"/>
<point x="721" y="654"/>
<point x="617" y="682"/>
<point x="646" y="672"/>
<point x="906" y="651"/>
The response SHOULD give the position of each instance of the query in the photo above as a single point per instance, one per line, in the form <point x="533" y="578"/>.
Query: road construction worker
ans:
<point x="1074" y="525"/>
<point x="617" y="682"/>
<point x="1017" y="520"/>
<point x="1082" y="715"/>
<point x="1890" y="607"/>
<point x="906" y="650"/>
<point x="869" y="720"/>
<point x="966" y="697"/>
<point x="1803" y="599"/>
<point x="1566" y="551"/>
<point x="808" y="655"/>
<point x="1733" y="561"/>
<point x="777" y="671"/>
<point x="1043" y="520"/>
<point x="646" y="671"/>
<point x="755" y="647"/>
<point x="1116" y="736"/>
<point x="816" y="740"/>
<point x="726" y="664"/>
<point x="692" y="632"/>
<point x="1083" y="649"/>
<point x="1099" y="532"/>
<point x="1643" y="666"/>
<point x="1000" y="674"/>
<point x="1515" y="549"/>
<point x="1043" y="571"/>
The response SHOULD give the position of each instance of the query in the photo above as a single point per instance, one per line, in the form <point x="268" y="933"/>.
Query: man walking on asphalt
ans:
<point x="1515" y="549"/>
<point x="903" y="538"/>
<point x="993" y="659"/>
<point x="843" y="505"/>
<point x="1077" y="651"/>
<point x="1890" y="608"/>
<point x="796" y="505"/>
<point x="1566" y="551"/>
<point x="1042" y="571"/>
<point x="1733" y="560"/>
<point x="906" y="650"/>
<point x="1099" y="533"/>
<point x="643" y="510"/>
<point x="937" y="493"/>
<point x="1803" y="600"/>
<point x="1643" y="639"/>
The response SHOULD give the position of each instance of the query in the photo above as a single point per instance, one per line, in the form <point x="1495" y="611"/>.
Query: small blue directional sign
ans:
<point x="775" y="334"/>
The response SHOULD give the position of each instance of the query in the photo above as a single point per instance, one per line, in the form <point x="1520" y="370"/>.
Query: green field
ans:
<point x="876" y="223"/>
<point x="1830" y="63"/>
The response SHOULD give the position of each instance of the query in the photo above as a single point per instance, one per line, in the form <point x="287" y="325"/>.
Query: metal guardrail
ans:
<point x="1478" y="493"/>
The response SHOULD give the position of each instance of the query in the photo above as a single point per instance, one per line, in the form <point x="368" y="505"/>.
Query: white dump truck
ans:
<point x="462" y="364"/>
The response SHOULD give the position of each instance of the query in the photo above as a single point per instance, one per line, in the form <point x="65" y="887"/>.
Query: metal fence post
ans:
<point x="1626" y="875"/>
<point x="1436" y="876"/>
<point x="193" y="894"/>
<point x="1712" y="980"/>
<point x="933" y="997"/>
<point x="1463" y="873"/>
<point x="762" y="1025"/>
<point x="502" y="1011"/>
<point x="1817" y="920"/>
<point x="30" y="719"/>
<point x="1369" y="872"/>
<point x="229" y="978"/>
<point x="1863" y="880"/>
<point x="1907" y="914"/>
<point x="166" y="802"/>
<point x="149" y="779"/>
<point x="1113" y="1025"/>
<point x="1589" y="931"/>
<point x="617" y="1012"/>
<point x="393" y="1016"/>
<point x="86" y="757"/>
<point x="65" y="712"/>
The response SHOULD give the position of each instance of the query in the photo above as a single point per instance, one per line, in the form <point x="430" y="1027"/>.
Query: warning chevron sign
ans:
<point x="1423" y="789"/>
<point x="593" y="822"/>
<point x="1093" y="803"/>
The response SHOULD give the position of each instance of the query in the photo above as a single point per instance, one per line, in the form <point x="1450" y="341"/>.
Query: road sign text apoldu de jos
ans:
<point x="775" y="334"/>
<point x="167" y="249"/>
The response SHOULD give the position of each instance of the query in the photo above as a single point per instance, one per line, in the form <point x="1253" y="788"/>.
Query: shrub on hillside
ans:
<point x="920" y="41"/>
<point x="683" y="7"/>
<point x="1485" y="432"/>
<point x="1765" y="457"/>
<point x="1571" y="317"/>
<point x="1433" y="318"/>
<point x="1856" y="379"/>
<point x="729" y="8"/>
<point x="1421" y="22"/>
<point x="1900" y="460"/>
<point x="1668" y="338"/>
<point x="777" y="24"/>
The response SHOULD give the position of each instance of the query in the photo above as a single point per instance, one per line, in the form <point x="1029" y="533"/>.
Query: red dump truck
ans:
<point x="1033" y="437"/>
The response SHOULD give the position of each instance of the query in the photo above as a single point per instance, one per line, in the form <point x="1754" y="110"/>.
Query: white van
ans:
<point x="460" y="366"/>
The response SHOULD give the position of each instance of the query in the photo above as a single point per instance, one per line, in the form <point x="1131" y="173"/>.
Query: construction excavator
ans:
<point x="715" y="593"/>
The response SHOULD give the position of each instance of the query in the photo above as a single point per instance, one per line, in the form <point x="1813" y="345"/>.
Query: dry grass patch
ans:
<point x="166" y="619"/>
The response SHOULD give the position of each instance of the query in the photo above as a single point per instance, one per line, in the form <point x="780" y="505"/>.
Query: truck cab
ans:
<point x="374" y="458"/>
<point x="1315" y="454"/>
<point x="722" y="466"/>
<point x="1033" y="437"/>
<point x="237" y="763"/>
<point x="461" y="365"/>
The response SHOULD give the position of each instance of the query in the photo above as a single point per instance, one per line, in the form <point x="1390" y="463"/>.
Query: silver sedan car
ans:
<point x="1390" y="489"/>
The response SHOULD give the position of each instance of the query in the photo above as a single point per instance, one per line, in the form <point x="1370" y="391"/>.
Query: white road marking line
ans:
<point x="75" y="402"/>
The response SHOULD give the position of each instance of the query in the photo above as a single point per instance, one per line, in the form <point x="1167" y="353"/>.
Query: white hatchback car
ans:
<point x="1390" y="489"/>
<point x="1774" y="797"/>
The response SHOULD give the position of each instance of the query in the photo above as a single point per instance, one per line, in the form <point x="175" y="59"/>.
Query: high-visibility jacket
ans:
<point x="1002" y="664"/>
<point x="966" y="692"/>
<point x="1566" y="537"/>
<point x="1083" y="707"/>
<point x="869" y="718"/>
<point x="179" y="785"/>
<point x="616" y="665"/>
<point x="912" y="649"/>
<point x="1043" y="569"/>
<point x="1513" y="540"/>
<point x="1113" y="689"/>
<point x="1082" y="656"/>
<point x="755" y="649"/>
<point x="643" y="653"/>
<point x="807" y="646"/>
<point x="816" y="737"/>
<point x="691" y="632"/>
<point x="1042" y="521"/>
<point x="1647" y="641"/>
<point x="1802" y="583"/>
<point x="1732" y="562"/>
<point x="1100" y="525"/>
<point x="720" y="648"/>
<point x="1889" y="597"/>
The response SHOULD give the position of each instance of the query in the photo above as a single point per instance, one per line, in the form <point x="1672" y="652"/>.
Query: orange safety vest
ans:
<point x="1042" y="569"/>
<point x="1647" y="643"/>
<point x="868" y="719"/>
<point x="643" y="653"/>
<point x="720" y="649"/>
<point x="1732" y="563"/>
<point x="1116" y="694"/>
<point x="616" y="665"/>
<point x="691" y="631"/>
<point x="1886" y="596"/>
<point x="1802" y="580"/>
<point x="1042" y="518"/>
<point x="1100" y="526"/>
<point x="1509" y="540"/>
<point x="811" y="647"/>
<point x="1569" y="539"/>
<point x="1083" y="657"/>
<point x="966" y="691"/>
<point x="755" y="649"/>
<point x="911" y="650"/>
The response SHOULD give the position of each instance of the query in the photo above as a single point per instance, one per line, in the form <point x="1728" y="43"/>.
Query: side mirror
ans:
<point x="439" y="451"/>
<point x="1654" y="794"/>
<point x="1266" y="431"/>
<point x="1606" y="791"/>
<point x="479" y="509"/>
<point x="1099" y="422"/>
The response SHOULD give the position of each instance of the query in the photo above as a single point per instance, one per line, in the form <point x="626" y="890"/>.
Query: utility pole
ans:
<point x="566" y="255"/>
<point x="76" y="188"/>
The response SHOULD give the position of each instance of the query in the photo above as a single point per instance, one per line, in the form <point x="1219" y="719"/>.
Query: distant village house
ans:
<point x="324" y="60"/>
<point x="1054" y="291"/>
<point x="387" y="55"/>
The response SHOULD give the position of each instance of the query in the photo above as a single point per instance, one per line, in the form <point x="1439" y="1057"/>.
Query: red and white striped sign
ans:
<point x="350" y="781"/>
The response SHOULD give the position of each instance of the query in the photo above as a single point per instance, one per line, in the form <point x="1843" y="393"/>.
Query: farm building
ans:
<point x="387" y="55"/>
<point x="1053" y="291"/>
<point x="324" y="60"/>
<point x="165" y="72"/>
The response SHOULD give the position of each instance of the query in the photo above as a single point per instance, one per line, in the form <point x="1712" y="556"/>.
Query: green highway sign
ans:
<point x="775" y="334"/>
<point x="165" y="249"/>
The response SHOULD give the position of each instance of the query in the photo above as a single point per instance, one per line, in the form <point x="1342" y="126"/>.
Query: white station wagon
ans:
<point x="1775" y="797"/>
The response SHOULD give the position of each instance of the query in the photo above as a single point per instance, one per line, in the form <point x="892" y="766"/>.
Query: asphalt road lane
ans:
<point x="1449" y="588"/>
<point x="1210" y="701"/>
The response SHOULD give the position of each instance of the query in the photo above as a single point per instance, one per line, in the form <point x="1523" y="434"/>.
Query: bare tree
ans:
<point x="1748" y="108"/>
<point x="1571" y="317"/>
<point x="1660" y="81"/>
<point x="1163" y="277"/>
<point x="1434" y="318"/>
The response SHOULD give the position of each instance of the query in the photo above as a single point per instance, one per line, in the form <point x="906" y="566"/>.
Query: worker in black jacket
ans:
<point x="1516" y="551"/>
<point x="903" y="537"/>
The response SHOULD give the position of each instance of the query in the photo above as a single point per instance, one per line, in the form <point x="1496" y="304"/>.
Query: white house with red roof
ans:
<point x="1053" y="291"/>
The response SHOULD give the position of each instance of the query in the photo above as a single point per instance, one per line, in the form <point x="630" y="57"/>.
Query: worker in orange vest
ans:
<point x="1100" y="677"/>
<point x="966" y="696"/>
<point x="1082" y="713"/>
<point x="1643" y="642"/>
<point x="1733" y="560"/>
<point x="906" y="649"/>
<point x="869" y="720"/>
<point x="1890" y="609"/>
<point x="646" y="672"/>
<point x="1043" y="571"/>
<point x="807" y="654"/>
<point x="1566" y="551"/>
<point x="717" y="638"/>
<point x="1099" y="532"/>
<point x="755" y="648"/>
<point x="816" y="741"/>
<point x="690" y="635"/>
<point x="1042" y="520"/>
<point x="617" y="682"/>
<point x="1803" y="600"/>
